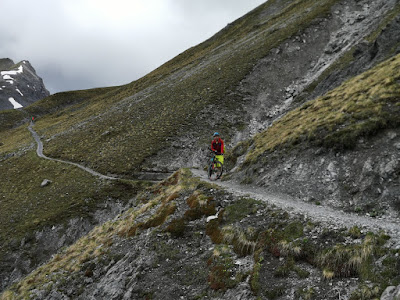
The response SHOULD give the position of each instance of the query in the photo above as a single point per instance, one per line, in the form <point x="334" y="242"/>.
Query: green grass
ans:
<point x="10" y="119"/>
<point x="359" y="107"/>
<point x="241" y="208"/>
<point x="25" y="207"/>
<point x="14" y="140"/>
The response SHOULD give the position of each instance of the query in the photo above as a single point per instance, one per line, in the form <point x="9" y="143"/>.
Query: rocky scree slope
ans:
<point x="341" y="149"/>
<point x="20" y="86"/>
<point x="252" y="72"/>
<point x="188" y="239"/>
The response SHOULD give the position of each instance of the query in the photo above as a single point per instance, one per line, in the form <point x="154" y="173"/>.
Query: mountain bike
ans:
<point x="215" y="169"/>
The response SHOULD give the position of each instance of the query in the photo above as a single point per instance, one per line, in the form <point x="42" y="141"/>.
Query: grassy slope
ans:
<point x="119" y="136"/>
<point x="26" y="207"/>
<point x="73" y="192"/>
<point x="359" y="107"/>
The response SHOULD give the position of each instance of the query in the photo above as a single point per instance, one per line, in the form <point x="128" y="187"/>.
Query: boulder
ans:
<point x="391" y="293"/>
<point x="45" y="182"/>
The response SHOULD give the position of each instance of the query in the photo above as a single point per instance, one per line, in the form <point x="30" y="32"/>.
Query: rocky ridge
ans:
<point x="20" y="86"/>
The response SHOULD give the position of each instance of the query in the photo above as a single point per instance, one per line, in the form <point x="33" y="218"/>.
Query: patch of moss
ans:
<point x="306" y="293"/>
<point x="221" y="269"/>
<point x="176" y="228"/>
<point x="214" y="232"/>
<point x="366" y="292"/>
<point x="255" y="274"/>
<point x="355" y="232"/>
<point x="200" y="206"/>
<point x="241" y="208"/>
<point x="275" y="292"/>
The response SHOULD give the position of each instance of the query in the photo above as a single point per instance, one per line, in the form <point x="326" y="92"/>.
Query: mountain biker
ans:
<point x="217" y="146"/>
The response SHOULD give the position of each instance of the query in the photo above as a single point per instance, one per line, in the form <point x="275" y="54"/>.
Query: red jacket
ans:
<point x="218" y="146"/>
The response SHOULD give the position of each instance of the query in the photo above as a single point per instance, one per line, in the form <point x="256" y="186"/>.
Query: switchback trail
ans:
<point x="39" y="152"/>
<point x="323" y="214"/>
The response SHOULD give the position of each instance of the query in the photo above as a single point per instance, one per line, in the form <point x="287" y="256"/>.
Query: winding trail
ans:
<point x="39" y="152"/>
<point x="323" y="214"/>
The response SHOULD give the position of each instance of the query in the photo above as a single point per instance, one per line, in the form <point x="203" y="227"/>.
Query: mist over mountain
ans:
<point x="20" y="86"/>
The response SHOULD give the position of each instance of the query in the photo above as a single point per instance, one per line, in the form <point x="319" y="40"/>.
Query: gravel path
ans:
<point x="323" y="214"/>
<point x="317" y="213"/>
<point x="39" y="152"/>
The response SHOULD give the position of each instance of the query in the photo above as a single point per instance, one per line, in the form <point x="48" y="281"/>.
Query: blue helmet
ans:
<point x="216" y="134"/>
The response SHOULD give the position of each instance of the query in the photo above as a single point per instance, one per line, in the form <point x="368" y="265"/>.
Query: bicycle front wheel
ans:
<point x="215" y="170"/>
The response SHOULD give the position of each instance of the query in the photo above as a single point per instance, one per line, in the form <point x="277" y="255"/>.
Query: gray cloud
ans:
<point x="79" y="44"/>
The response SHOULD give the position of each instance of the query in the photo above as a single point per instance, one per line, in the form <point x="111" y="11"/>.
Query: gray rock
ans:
<point x="391" y="293"/>
<point x="45" y="182"/>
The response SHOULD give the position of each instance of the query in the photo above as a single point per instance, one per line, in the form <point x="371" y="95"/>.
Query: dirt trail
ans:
<point x="317" y="213"/>
<point x="323" y="214"/>
<point x="39" y="152"/>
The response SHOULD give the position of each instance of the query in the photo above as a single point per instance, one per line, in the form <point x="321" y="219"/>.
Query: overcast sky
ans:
<point x="80" y="44"/>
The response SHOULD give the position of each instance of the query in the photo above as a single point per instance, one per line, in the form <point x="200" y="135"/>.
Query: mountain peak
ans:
<point x="19" y="84"/>
<point x="6" y="63"/>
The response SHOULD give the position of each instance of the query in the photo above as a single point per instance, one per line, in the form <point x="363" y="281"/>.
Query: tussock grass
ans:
<point x="289" y="249"/>
<point x="221" y="269"/>
<point x="243" y="243"/>
<point x="359" y="107"/>
<point x="345" y="261"/>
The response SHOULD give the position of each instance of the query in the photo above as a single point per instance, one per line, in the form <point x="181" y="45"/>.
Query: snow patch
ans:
<point x="13" y="72"/>
<point x="9" y="79"/>
<point x="212" y="217"/>
<point x="7" y="74"/>
<point x="15" y="103"/>
<point x="19" y="92"/>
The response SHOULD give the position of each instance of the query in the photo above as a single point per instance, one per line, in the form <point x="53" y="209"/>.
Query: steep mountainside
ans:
<point x="306" y="94"/>
<point x="249" y="73"/>
<point x="20" y="86"/>
<point x="341" y="149"/>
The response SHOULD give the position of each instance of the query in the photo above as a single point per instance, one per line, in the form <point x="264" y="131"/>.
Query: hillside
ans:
<point x="174" y="245"/>
<point x="146" y="125"/>
<point x="341" y="149"/>
<point x="306" y="95"/>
